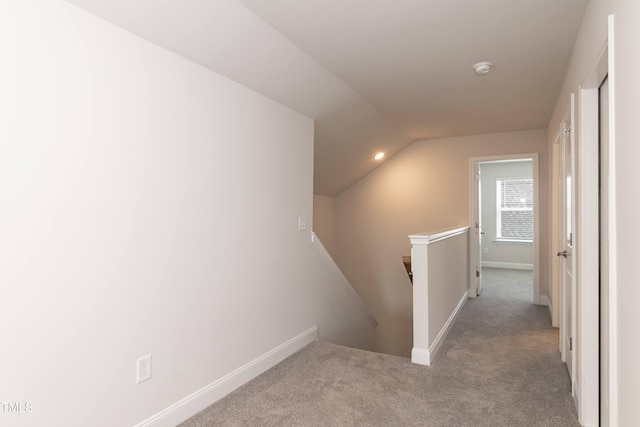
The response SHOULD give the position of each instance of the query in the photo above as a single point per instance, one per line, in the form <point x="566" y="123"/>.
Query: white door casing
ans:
<point x="596" y="215"/>
<point x="604" y="253"/>
<point x="568" y="220"/>
<point x="556" y="230"/>
<point x="475" y="242"/>
<point x="478" y="229"/>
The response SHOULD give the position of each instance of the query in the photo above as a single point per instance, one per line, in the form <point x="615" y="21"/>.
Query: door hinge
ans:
<point x="570" y="343"/>
<point x="477" y="273"/>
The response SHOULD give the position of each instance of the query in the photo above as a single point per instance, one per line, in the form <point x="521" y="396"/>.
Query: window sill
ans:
<point x="514" y="242"/>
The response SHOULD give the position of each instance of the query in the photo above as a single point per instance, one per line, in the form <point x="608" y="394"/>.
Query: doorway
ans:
<point x="595" y="367"/>
<point x="598" y="272"/>
<point x="504" y="218"/>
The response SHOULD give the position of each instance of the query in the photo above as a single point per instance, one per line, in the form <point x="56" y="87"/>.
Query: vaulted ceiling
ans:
<point x="375" y="75"/>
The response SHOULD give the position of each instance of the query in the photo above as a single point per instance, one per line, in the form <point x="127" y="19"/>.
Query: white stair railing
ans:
<point x="439" y="263"/>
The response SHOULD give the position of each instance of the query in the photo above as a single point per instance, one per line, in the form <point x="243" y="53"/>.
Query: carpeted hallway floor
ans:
<point x="499" y="366"/>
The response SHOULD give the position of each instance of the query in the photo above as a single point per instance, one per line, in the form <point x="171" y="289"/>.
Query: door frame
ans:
<point x="475" y="254"/>
<point x="588" y="342"/>
<point x="473" y="205"/>
<point x="568" y="317"/>
<point x="554" y="265"/>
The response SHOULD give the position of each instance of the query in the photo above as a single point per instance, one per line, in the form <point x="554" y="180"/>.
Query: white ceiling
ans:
<point x="374" y="74"/>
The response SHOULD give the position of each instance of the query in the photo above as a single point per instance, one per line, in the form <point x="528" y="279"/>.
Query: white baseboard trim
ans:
<point x="542" y="300"/>
<point x="550" y="308"/>
<point x="510" y="265"/>
<point x="420" y="356"/>
<point x="423" y="356"/>
<point x="437" y="343"/>
<point x="576" y="395"/>
<point x="196" y="402"/>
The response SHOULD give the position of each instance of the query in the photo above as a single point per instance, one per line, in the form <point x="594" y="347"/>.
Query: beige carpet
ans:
<point x="498" y="367"/>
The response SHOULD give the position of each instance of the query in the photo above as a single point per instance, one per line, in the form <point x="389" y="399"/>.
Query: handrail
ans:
<point x="428" y="238"/>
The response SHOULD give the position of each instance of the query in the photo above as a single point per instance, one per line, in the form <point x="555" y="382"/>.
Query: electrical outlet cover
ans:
<point x="143" y="372"/>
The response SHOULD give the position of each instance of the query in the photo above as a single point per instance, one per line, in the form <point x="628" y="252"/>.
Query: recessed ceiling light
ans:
<point x="482" y="68"/>
<point x="379" y="156"/>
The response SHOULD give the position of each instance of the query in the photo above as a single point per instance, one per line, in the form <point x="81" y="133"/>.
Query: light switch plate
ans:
<point x="302" y="223"/>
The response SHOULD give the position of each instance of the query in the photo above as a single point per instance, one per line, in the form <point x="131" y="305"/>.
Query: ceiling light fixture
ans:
<point x="379" y="156"/>
<point x="482" y="68"/>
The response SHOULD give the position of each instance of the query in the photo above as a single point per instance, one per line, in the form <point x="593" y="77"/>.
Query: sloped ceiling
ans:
<point x="374" y="74"/>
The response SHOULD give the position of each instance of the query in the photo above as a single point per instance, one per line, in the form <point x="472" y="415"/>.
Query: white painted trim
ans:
<point x="509" y="265"/>
<point x="575" y="251"/>
<point x="423" y="356"/>
<point x="513" y="242"/>
<point x="437" y="343"/>
<point x="554" y="262"/>
<point x="196" y="402"/>
<point x="315" y="240"/>
<point x="428" y="238"/>
<point x="544" y="300"/>
<point x="587" y="251"/>
<point x="475" y="250"/>
<point x="577" y="395"/>
<point x="613" y="233"/>
<point x="420" y="356"/>
<point x="536" y="229"/>
<point x="473" y="161"/>
<point x="567" y="124"/>
<point x="504" y="158"/>
<point x="587" y="386"/>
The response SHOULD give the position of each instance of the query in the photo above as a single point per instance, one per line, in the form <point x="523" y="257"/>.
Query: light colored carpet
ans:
<point x="499" y="366"/>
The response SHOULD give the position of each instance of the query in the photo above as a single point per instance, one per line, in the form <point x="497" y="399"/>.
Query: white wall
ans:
<point x="147" y="205"/>
<point x="323" y="220"/>
<point x="591" y="39"/>
<point x="266" y="61"/>
<point x="501" y="252"/>
<point x="627" y="94"/>
<point x="424" y="187"/>
<point x="589" y="44"/>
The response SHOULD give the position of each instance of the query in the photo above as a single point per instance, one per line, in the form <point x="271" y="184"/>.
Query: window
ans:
<point x="514" y="212"/>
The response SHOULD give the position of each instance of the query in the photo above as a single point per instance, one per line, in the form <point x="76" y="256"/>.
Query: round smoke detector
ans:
<point x="482" y="68"/>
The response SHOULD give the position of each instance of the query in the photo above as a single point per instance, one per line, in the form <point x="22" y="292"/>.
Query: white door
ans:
<point x="475" y="241"/>
<point x="478" y="229"/>
<point x="604" y="253"/>
<point x="567" y="268"/>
